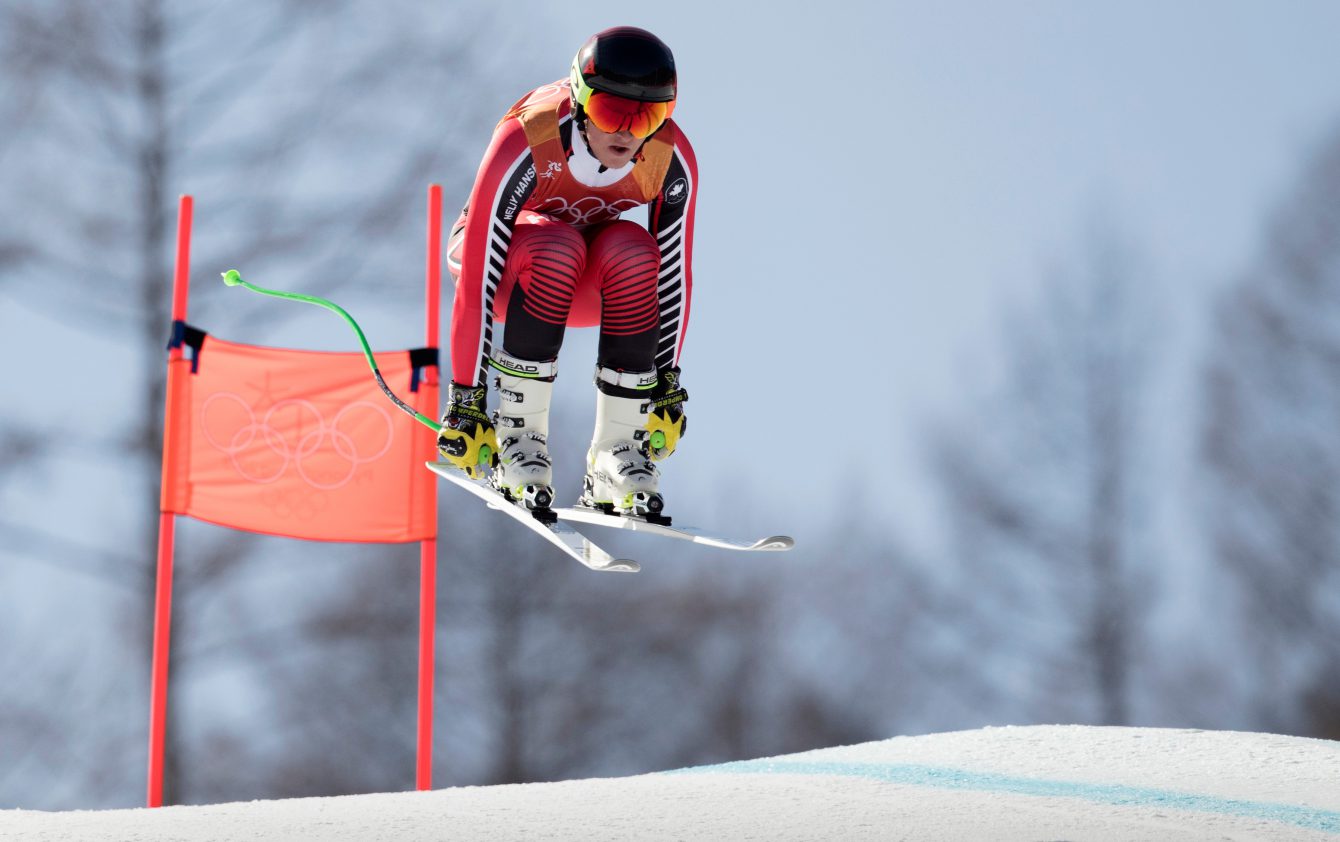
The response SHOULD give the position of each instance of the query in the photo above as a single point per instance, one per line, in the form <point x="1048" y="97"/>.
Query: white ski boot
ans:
<point x="620" y="478"/>
<point x="524" y="473"/>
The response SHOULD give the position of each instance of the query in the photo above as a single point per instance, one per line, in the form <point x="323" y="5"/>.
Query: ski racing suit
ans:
<point x="540" y="245"/>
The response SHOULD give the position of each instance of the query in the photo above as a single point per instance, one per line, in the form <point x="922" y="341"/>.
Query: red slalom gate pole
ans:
<point x="158" y="690"/>
<point x="428" y="548"/>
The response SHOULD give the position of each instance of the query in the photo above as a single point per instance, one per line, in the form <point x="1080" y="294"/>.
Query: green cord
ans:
<point x="234" y="278"/>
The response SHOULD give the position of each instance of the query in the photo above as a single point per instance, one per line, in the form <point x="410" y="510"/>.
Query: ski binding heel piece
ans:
<point x="647" y="505"/>
<point x="536" y="499"/>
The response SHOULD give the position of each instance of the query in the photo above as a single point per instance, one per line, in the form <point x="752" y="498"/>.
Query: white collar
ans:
<point x="586" y="169"/>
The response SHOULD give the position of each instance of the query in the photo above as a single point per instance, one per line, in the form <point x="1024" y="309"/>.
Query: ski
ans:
<point x="583" y="514"/>
<point x="567" y="539"/>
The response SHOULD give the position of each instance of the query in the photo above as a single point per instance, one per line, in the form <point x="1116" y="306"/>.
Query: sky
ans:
<point x="879" y="184"/>
<point x="880" y="181"/>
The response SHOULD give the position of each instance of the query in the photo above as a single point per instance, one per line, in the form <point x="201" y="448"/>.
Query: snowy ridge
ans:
<point x="1033" y="783"/>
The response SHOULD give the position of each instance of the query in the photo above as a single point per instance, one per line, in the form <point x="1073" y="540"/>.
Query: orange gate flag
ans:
<point x="301" y="444"/>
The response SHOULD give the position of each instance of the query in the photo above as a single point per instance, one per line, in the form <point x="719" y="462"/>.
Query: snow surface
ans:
<point x="1033" y="783"/>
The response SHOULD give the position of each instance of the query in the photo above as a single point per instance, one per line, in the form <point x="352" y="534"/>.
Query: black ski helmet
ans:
<point x="628" y="62"/>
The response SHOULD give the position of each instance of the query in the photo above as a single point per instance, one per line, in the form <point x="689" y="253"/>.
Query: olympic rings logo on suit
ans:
<point x="586" y="210"/>
<point x="255" y="435"/>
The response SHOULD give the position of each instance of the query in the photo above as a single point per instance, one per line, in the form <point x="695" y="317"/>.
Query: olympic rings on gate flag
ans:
<point x="293" y="433"/>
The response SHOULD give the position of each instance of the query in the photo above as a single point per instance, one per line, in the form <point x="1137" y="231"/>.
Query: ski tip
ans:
<point x="623" y="565"/>
<point x="776" y="543"/>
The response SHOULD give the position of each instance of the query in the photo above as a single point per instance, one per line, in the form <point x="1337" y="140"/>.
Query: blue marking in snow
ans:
<point x="1309" y="818"/>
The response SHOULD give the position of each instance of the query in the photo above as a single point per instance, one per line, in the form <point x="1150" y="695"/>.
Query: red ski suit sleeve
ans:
<point x="505" y="180"/>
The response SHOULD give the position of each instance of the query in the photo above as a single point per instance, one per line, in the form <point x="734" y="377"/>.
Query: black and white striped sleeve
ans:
<point x="671" y="223"/>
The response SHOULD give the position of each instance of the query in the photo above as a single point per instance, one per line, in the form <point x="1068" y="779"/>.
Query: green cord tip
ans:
<point x="232" y="277"/>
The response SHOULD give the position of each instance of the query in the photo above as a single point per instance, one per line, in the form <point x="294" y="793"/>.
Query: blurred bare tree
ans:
<point x="1045" y="500"/>
<point x="862" y="620"/>
<point x="307" y="131"/>
<point x="1271" y="454"/>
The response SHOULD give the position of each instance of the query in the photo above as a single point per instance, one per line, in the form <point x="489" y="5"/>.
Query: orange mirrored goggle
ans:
<point x="612" y="113"/>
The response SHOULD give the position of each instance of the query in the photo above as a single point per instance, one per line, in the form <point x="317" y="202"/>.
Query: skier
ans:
<point x="540" y="246"/>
